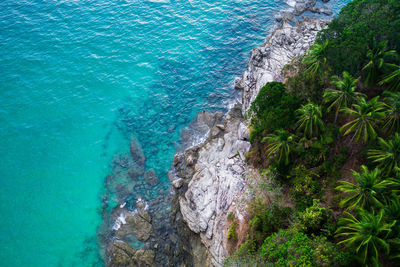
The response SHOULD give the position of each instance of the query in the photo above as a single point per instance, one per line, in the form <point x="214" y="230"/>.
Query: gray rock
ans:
<point x="137" y="152"/>
<point x="177" y="183"/>
<point x="151" y="177"/>
<point x="123" y="255"/>
<point x="326" y="12"/>
<point x="243" y="132"/>
<point x="135" y="171"/>
<point x="266" y="62"/>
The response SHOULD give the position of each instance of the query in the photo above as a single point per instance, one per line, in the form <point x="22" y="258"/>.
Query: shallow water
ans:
<point x="78" y="80"/>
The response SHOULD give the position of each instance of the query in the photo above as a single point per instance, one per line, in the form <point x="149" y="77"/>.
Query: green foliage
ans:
<point x="232" y="234"/>
<point x="244" y="256"/>
<point x="344" y="95"/>
<point x="392" y="112"/>
<point x="361" y="41"/>
<point x="272" y="102"/>
<point x="310" y="120"/>
<point x="365" y="115"/>
<point x="315" y="58"/>
<point x="392" y="79"/>
<point x="315" y="219"/>
<point x="368" y="190"/>
<point x="279" y="146"/>
<point x="297" y="249"/>
<point x="359" y="25"/>
<point x="304" y="187"/>
<point x="267" y="221"/>
<point x="367" y="235"/>
<point x="376" y="63"/>
<point x="300" y="83"/>
<point x="392" y="213"/>
<point x="387" y="157"/>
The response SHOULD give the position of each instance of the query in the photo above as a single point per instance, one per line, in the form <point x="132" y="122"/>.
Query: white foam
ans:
<point x="119" y="221"/>
<point x="291" y="3"/>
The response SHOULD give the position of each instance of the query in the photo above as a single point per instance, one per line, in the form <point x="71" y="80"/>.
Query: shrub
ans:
<point x="245" y="256"/>
<point x="297" y="249"/>
<point x="272" y="102"/>
<point x="316" y="218"/>
<point x="305" y="187"/>
<point x="267" y="221"/>
<point x="301" y="83"/>
<point x="232" y="234"/>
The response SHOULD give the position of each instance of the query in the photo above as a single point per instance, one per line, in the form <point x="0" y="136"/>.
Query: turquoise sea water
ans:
<point x="78" y="79"/>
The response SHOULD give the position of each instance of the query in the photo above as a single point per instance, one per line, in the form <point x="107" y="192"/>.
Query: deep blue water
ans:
<point x="79" y="79"/>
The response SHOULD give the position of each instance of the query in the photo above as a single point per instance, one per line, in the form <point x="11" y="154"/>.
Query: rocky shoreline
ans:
<point x="210" y="177"/>
<point x="207" y="178"/>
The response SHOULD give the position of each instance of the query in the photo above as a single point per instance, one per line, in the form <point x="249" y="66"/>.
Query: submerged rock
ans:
<point x="137" y="152"/>
<point x="137" y="222"/>
<point x="135" y="171"/>
<point x="151" y="177"/>
<point x="122" y="255"/>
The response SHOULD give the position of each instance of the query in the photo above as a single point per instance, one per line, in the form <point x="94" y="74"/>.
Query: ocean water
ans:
<point x="79" y="79"/>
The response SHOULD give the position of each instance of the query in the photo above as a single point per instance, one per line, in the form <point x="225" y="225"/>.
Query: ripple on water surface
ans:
<point x="79" y="80"/>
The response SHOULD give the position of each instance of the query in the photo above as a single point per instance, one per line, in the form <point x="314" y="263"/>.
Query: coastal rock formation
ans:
<point x="267" y="61"/>
<point x="122" y="255"/>
<point x="213" y="176"/>
<point x="210" y="177"/>
<point x="133" y="223"/>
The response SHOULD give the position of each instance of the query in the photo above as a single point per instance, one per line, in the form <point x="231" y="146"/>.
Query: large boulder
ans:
<point x="137" y="223"/>
<point x="121" y="254"/>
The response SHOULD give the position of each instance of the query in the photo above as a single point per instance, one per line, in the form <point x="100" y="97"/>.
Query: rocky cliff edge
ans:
<point x="209" y="178"/>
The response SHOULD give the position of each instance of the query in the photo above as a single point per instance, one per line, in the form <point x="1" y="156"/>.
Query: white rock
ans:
<point x="177" y="183"/>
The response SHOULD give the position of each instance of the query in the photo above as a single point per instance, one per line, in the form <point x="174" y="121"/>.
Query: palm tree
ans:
<point x="316" y="58"/>
<point x="279" y="145"/>
<point x="344" y="95"/>
<point x="366" y="114"/>
<point x="392" y="111"/>
<point x="310" y="119"/>
<point x="368" y="235"/>
<point x="388" y="156"/>
<point x="376" y="62"/>
<point x="393" y="78"/>
<point x="368" y="190"/>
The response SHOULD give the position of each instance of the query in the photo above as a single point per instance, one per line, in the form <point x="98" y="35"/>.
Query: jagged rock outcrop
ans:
<point x="210" y="177"/>
<point x="267" y="61"/>
<point x="212" y="174"/>
<point x="123" y="255"/>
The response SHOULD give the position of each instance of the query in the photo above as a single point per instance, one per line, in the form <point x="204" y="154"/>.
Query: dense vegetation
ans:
<point x="330" y="138"/>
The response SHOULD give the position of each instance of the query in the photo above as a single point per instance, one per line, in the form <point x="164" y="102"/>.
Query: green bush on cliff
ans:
<point x="305" y="187"/>
<point x="272" y="102"/>
<point x="232" y="234"/>
<point x="268" y="220"/>
<point x="286" y="248"/>
<point x="315" y="220"/>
